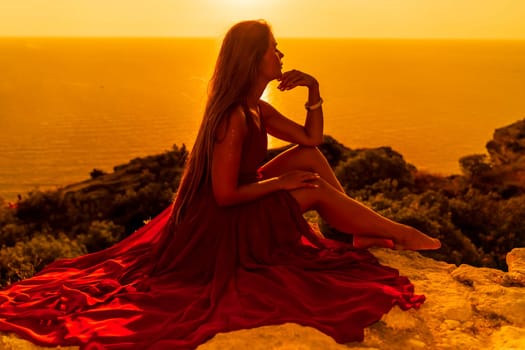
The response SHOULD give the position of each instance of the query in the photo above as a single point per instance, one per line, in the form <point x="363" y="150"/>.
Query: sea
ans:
<point x="69" y="105"/>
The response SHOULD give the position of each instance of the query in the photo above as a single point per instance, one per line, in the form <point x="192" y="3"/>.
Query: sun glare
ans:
<point x="241" y="9"/>
<point x="290" y="18"/>
<point x="242" y="3"/>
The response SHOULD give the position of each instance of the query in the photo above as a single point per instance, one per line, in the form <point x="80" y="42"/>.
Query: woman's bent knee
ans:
<point x="309" y="198"/>
<point x="309" y="151"/>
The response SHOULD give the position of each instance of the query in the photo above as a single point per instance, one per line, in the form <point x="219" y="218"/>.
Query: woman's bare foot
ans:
<point x="364" y="242"/>
<point x="410" y="238"/>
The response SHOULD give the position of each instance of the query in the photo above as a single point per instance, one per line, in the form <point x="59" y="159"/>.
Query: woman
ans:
<point x="233" y="251"/>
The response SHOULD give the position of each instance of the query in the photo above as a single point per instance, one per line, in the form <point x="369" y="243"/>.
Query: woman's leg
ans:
<point x="301" y="158"/>
<point x="348" y="215"/>
<point x="311" y="159"/>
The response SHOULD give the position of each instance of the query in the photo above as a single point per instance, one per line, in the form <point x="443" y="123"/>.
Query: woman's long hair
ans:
<point x="236" y="71"/>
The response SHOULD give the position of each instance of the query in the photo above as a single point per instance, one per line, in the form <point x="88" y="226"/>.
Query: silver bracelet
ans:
<point x="314" y="106"/>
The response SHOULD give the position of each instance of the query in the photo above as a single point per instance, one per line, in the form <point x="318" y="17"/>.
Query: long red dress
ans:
<point x="254" y="264"/>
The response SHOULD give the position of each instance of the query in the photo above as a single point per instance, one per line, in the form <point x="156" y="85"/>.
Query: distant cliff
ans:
<point x="507" y="146"/>
<point x="507" y="153"/>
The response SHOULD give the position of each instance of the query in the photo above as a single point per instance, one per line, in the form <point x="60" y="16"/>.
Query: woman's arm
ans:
<point x="311" y="134"/>
<point x="226" y="162"/>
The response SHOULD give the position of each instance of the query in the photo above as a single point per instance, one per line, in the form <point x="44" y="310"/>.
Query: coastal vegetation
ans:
<point x="477" y="215"/>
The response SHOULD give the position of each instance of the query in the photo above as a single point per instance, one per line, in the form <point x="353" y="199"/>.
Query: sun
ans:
<point x="242" y="6"/>
<point x="235" y="10"/>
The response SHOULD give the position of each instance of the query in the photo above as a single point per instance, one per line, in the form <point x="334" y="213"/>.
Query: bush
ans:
<point x="475" y="165"/>
<point x="372" y="165"/>
<point x="495" y="225"/>
<point x="11" y="233"/>
<point x="11" y="229"/>
<point x="96" y="173"/>
<point x="24" y="259"/>
<point x="101" y="234"/>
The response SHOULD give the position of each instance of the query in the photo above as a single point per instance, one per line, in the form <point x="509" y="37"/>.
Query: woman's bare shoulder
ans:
<point x="265" y="106"/>
<point x="235" y="121"/>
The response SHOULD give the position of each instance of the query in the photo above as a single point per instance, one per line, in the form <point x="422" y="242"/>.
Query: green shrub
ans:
<point x="10" y="233"/>
<point x="495" y="225"/>
<point x="96" y="173"/>
<point x="372" y="165"/>
<point x="26" y="258"/>
<point x="475" y="165"/>
<point x="100" y="235"/>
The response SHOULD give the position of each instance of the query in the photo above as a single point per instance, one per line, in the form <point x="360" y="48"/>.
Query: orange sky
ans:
<point x="289" y="18"/>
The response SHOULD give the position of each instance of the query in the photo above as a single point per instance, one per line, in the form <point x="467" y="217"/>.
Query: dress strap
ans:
<point x="246" y="110"/>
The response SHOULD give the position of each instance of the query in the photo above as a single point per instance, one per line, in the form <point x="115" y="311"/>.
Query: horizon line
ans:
<point x="281" y="37"/>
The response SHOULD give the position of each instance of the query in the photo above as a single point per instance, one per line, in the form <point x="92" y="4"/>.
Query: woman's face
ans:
<point x="271" y="64"/>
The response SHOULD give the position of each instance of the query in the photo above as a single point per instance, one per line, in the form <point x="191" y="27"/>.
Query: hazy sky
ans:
<point x="289" y="18"/>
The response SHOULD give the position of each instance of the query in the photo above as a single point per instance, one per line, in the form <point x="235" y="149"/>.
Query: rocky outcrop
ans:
<point x="507" y="153"/>
<point x="508" y="144"/>
<point x="466" y="308"/>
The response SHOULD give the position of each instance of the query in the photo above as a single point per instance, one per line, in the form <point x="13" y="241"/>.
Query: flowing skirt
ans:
<point x="222" y="269"/>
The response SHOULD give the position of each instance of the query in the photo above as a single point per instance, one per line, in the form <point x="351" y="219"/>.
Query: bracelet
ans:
<point x="314" y="106"/>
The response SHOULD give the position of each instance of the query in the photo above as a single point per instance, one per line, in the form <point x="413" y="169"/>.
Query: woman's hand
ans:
<point x="294" y="78"/>
<point x="295" y="179"/>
